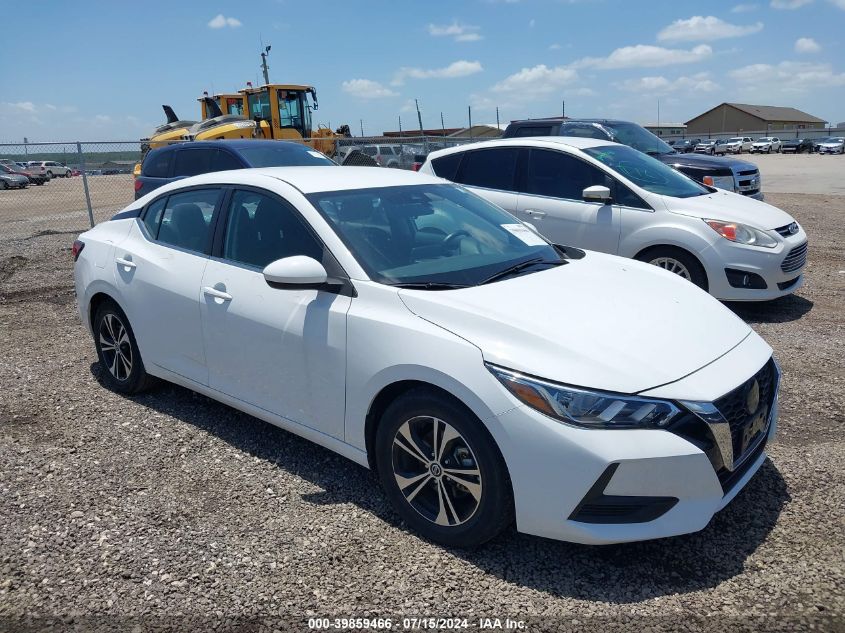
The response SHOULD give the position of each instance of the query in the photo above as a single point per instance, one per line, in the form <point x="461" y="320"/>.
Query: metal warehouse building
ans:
<point x="733" y="118"/>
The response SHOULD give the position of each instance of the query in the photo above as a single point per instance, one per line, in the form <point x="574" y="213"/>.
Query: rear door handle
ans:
<point x="534" y="213"/>
<point x="217" y="294"/>
<point x="125" y="262"/>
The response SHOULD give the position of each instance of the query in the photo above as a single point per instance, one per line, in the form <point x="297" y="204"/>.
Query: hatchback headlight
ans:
<point x="742" y="233"/>
<point x="582" y="407"/>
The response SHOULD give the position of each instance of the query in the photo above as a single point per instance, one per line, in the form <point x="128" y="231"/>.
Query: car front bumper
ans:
<point x="558" y="470"/>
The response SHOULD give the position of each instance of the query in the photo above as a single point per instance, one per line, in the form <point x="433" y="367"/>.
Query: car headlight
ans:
<point x="742" y="233"/>
<point x="721" y="182"/>
<point x="582" y="407"/>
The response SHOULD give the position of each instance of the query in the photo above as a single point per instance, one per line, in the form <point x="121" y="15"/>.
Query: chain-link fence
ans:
<point x="68" y="187"/>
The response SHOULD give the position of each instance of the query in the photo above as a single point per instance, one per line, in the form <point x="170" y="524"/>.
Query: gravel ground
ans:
<point x="172" y="512"/>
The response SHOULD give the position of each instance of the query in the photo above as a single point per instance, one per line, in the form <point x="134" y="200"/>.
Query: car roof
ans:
<point x="551" y="142"/>
<point x="235" y="144"/>
<point x="313" y="179"/>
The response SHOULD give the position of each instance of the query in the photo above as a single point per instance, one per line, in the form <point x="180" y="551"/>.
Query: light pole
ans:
<point x="264" y="67"/>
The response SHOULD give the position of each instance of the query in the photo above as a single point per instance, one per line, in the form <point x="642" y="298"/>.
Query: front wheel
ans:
<point x="120" y="359"/>
<point x="678" y="261"/>
<point x="442" y="470"/>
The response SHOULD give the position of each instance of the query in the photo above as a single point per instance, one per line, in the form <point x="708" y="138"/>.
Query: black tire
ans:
<point x="697" y="274"/>
<point x="50" y="175"/>
<point x="484" y="516"/>
<point x="108" y="320"/>
<point x="3" y="184"/>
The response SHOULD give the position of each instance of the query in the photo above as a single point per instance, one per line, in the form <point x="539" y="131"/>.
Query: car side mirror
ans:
<point x="596" y="193"/>
<point x="298" y="271"/>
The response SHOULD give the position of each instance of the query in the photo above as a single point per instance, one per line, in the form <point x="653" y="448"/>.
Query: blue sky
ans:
<point x="101" y="70"/>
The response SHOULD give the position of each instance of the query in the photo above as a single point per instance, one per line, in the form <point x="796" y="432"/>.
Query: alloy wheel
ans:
<point x="436" y="471"/>
<point x="116" y="347"/>
<point x="673" y="266"/>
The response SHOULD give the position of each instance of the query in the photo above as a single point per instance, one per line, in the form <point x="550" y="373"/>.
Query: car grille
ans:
<point x="748" y="172"/>
<point x="732" y="406"/>
<point x="796" y="259"/>
<point x="785" y="230"/>
<point x="748" y="181"/>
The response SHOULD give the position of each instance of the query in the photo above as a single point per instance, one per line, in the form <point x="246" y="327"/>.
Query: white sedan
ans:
<point x="833" y="145"/>
<point x="485" y="374"/>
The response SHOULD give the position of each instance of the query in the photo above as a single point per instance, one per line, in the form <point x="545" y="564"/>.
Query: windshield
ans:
<point x="430" y="234"/>
<point x="646" y="172"/>
<point x="283" y="155"/>
<point x="765" y="139"/>
<point x="735" y="139"/>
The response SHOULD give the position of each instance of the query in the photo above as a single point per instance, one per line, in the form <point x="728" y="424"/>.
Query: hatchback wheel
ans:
<point x="677" y="261"/>
<point x="123" y="369"/>
<point x="442" y="470"/>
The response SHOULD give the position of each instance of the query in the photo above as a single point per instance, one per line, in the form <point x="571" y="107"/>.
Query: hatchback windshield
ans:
<point x="284" y="155"/>
<point x="646" y="172"/>
<point x="432" y="236"/>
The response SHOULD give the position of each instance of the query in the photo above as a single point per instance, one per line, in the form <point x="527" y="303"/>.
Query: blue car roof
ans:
<point x="236" y="143"/>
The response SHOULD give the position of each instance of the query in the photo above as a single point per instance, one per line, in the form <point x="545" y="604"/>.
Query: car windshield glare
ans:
<point x="638" y="137"/>
<point x="440" y="235"/>
<point x="646" y="172"/>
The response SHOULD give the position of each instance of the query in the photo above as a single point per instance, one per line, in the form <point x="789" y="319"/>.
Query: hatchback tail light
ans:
<point x="138" y="184"/>
<point x="78" y="245"/>
<point x="416" y="166"/>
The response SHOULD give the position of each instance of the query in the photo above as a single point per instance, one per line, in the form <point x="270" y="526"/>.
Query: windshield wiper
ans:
<point x="511" y="270"/>
<point x="428" y="285"/>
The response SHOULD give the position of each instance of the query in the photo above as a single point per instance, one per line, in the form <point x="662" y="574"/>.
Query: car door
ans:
<point x="552" y="201"/>
<point x="158" y="272"/>
<point x="280" y="349"/>
<point x="491" y="173"/>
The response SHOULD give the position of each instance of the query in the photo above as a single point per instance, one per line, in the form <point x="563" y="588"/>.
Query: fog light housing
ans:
<point x="745" y="279"/>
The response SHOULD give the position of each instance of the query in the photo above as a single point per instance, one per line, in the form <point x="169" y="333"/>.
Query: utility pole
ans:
<point x="563" y="109"/>
<point x="25" y="149"/>
<point x="469" y="117"/>
<point x="419" y="117"/>
<point x="362" y="126"/>
<point x="442" y="125"/>
<point x="264" y="67"/>
<point x="498" y="127"/>
<point x="658" y="115"/>
<point x="400" y="125"/>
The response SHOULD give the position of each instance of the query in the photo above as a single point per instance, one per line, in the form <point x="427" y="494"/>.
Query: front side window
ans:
<point x="191" y="162"/>
<point x="646" y="172"/>
<point x="490" y="168"/>
<point x="262" y="229"/>
<point x="430" y="234"/>
<point x="186" y="220"/>
<point x="259" y="105"/>
<point x="560" y="175"/>
<point x="290" y="113"/>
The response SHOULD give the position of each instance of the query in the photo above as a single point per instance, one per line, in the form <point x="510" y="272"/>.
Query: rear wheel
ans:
<point x="120" y="359"/>
<point x="678" y="261"/>
<point x="442" y="470"/>
<point x="49" y="174"/>
<point x="3" y="184"/>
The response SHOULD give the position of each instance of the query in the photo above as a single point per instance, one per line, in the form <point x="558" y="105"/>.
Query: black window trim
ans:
<point x="206" y="252"/>
<point x="339" y="281"/>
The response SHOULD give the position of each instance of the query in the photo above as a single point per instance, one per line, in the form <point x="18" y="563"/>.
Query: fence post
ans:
<point x="85" y="183"/>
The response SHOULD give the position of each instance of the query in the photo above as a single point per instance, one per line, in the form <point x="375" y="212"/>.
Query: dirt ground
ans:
<point x="170" y="511"/>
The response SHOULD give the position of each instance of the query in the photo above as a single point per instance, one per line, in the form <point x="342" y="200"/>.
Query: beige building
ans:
<point x="735" y="118"/>
<point x="666" y="129"/>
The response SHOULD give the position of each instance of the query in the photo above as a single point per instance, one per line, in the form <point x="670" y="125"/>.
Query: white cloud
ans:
<point x="789" y="4"/>
<point x="554" y="47"/>
<point x="745" y="7"/>
<point x="838" y="3"/>
<point x="646" y="56"/>
<point x="699" y="28"/>
<point x="789" y="77"/>
<point x="455" y="30"/>
<point x="460" y="68"/>
<point x="367" y="89"/>
<point x="23" y="106"/>
<point x="532" y="22"/>
<point x="807" y="45"/>
<point x="539" y="79"/>
<point x="220" y="21"/>
<point x="700" y="82"/>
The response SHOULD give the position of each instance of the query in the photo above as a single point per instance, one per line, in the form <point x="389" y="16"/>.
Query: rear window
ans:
<point x="522" y="132"/>
<point x="447" y="166"/>
<point x="157" y="165"/>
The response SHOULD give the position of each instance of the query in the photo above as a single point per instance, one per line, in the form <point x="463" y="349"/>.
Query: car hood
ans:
<point x="791" y="142"/>
<point x="701" y="161"/>
<point x="835" y="144"/>
<point x="602" y="322"/>
<point x="730" y="207"/>
<point x="762" y="142"/>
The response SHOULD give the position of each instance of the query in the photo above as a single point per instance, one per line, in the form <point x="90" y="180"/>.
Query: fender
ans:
<point x="663" y="235"/>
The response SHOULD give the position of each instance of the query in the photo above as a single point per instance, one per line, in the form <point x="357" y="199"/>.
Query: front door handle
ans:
<point x="217" y="294"/>
<point x="128" y="263"/>
<point x="534" y="213"/>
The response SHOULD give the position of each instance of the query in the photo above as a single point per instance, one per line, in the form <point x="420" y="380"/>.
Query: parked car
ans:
<point x="766" y="145"/>
<point x="817" y="142"/>
<point x="51" y="168"/>
<point x="714" y="147"/>
<point x="686" y="145"/>
<point x="8" y="180"/>
<point x="796" y="145"/>
<point x="413" y="327"/>
<point x="739" y="144"/>
<point x="12" y="167"/>
<point x="384" y="155"/>
<point x="726" y="173"/>
<point x="611" y="198"/>
<point x="180" y="160"/>
<point x="834" y="145"/>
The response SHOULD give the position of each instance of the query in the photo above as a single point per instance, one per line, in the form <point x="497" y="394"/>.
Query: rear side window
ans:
<point x="583" y="131"/>
<point x="157" y="165"/>
<point x="447" y="166"/>
<point x="223" y="160"/>
<point x="490" y="168"/>
<point x="190" y="162"/>
<point x="533" y="131"/>
<point x="186" y="220"/>
<point x="559" y="175"/>
<point x="369" y="151"/>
